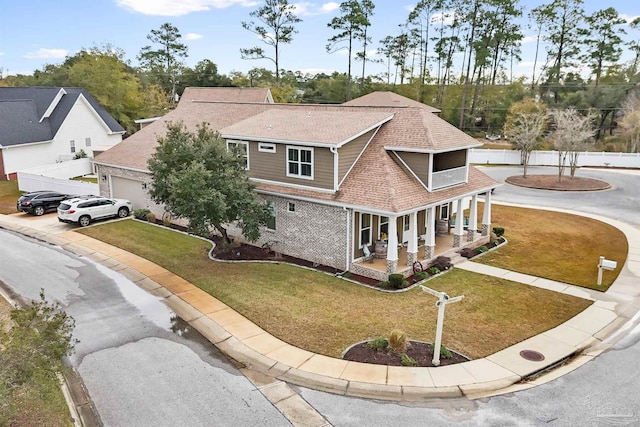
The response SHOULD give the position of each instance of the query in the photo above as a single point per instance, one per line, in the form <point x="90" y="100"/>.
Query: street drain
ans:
<point x="532" y="355"/>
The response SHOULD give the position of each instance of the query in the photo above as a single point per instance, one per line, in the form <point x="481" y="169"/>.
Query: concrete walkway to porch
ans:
<point x="584" y="336"/>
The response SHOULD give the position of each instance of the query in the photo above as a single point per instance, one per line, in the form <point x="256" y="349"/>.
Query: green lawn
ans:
<point x="556" y="246"/>
<point x="324" y="314"/>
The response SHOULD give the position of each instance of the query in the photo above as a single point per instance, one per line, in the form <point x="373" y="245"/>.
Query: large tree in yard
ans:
<point x="573" y="131"/>
<point x="524" y="126"/>
<point x="276" y="28"/>
<point x="197" y="178"/>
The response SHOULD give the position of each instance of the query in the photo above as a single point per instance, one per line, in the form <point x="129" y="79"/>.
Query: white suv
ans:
<point x="85" y="209"/>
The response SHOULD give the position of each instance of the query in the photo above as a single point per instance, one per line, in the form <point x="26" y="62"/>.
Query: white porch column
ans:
<point x="430" y="238"/>
<point x="459" y="229"/>
<point x="486" y="215"/>
<point x="473" y="219"/>
<point x="412" y="247"/>
<point x="392" y="246"/>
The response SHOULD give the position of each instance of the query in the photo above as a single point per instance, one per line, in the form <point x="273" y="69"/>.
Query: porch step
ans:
<point x="457" y="258"/>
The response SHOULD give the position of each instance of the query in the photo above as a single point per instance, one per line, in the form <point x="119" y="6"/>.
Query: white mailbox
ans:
<point x="607" y="264"/>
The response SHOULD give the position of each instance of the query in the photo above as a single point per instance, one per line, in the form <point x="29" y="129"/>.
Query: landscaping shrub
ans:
<point x="468" y="253"/>
<point x="141" y="214"/>
<point x="445" y="353"/>
<point x="499" y="231"/>
<point x="398" y="341"/>
<point x="433" y="270"/>
<point x="421" y="275"/>
<point x="482" y="249"/>
<point x="442" y="263"/>
<point x="396" y="280"/>
<point x="151" y="217"/>
<point x="380" y="343"/>
<point x="407" y="360"/>
<point x="166" y="220"/>
<point x="383" y="284"/>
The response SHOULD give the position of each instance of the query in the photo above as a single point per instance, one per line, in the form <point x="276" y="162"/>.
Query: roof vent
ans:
<point x="269" y="127"/>
<point x="309" y="114"/>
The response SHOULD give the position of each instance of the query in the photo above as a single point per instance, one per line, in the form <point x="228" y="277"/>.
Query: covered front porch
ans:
<point x="420" y="235"/>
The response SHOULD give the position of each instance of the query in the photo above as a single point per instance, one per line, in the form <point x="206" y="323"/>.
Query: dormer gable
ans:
<point x="54" y="103"/>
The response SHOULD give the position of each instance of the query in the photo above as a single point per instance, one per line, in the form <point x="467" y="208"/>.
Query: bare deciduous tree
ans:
<point x="573" y="132"/>
<point x="524" y="127"/>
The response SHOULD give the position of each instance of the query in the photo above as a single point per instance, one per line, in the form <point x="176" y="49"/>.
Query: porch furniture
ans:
<point x="368" y="256"/>
<point x="452" y="223"/>
<point x="381" y="249"/>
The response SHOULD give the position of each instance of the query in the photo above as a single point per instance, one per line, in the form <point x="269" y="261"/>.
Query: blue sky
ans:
<point x="37" y="32"/>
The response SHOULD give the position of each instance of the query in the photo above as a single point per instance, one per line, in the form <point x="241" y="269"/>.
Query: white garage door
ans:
<point x="123" y="188"/>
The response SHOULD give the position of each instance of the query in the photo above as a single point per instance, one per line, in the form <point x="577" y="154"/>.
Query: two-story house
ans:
<point x="45" y="125"/>
<point x="337" y="178"/>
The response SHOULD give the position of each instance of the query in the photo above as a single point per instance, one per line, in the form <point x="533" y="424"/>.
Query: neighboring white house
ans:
<point x="45" y="125"/>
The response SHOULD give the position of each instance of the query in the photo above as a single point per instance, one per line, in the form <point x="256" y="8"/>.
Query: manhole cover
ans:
<point x="532" y="355"/>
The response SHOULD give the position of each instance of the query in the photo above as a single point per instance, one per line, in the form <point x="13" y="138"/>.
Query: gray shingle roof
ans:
<point x="21" y="109"/>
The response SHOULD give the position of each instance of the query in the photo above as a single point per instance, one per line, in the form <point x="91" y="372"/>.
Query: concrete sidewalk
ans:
<point x="583" y="336"/>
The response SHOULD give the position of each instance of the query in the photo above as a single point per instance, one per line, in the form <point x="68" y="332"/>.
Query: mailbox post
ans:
<point x="443" y="299"/>
<point x="605" y="264"/>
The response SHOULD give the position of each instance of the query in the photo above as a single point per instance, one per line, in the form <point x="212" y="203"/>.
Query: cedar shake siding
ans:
<point x="449" y="160"/>
<point x="272" y="166"/>
<point x="418" y="163"/>
<point x="348" y="153"/>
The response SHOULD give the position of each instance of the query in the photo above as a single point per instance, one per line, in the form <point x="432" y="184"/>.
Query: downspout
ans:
<point x="348" y="242"/>
<point x="334" y="151"/>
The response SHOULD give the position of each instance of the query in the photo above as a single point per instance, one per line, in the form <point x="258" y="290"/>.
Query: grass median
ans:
<point x="324" y="314"/>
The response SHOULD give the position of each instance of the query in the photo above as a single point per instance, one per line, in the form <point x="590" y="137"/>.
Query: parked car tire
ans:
<point x="123" y="212"/>
<point x="38" y="210"/>
<point x="84" y="220"/>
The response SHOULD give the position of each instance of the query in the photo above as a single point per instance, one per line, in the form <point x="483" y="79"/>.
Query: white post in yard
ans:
<point x="443" y="299"/>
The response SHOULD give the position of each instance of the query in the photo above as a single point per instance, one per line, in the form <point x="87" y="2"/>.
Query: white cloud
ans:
<point x="447" y="17"/>
<point x="43" y="53"/>
<point x="179" y="7"/>
<point x="2" y="53"/>
<point x="628" y="18"/>
<point x="315" y="71"/>
<point x="306" y="8"/>
<point x="529" y="39"/>
<point x="192" y="36"/>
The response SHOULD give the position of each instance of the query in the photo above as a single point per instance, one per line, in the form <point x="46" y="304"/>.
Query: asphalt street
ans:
<point x="141" y="365"/>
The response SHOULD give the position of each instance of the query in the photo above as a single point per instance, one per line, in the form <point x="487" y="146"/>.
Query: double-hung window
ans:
<point x="72" y="145"/>
<point x="271" y="221"/>
<point x="365" y="229"/>
<point x="243" y="151"/>
<point x="300" y="162"/>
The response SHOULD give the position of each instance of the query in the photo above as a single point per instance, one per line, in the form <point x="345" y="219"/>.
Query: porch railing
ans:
<point x="449" y="177"/>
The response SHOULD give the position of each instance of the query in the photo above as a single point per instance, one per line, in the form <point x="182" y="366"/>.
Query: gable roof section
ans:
<point x="376" y="182"/>
<point x="41" y="122"/>
<point x="388" y="99"/>
<point x="227" y="94"/>
<point x="20" y="123"/>
<point x="331" y="128"/>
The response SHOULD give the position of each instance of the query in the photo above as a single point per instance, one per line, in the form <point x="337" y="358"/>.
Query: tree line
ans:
<point x="474" y="93"/>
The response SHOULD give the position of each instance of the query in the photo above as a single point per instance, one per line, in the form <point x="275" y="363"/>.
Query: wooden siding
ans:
<point x="418" y="163"/>
<point x="273" y="166"/>
<point x="348" y="153"/>
<point x="453" y="159"/>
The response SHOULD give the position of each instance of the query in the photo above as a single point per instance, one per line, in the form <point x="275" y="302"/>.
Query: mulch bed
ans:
<point x="421" y="352"/>
<point x="243" y="252"/>
<point x="550" y="182"/>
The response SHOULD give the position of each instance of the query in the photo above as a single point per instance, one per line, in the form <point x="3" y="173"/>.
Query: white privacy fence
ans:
<point x="550" y="158"/>
<point x="55" y="177"/>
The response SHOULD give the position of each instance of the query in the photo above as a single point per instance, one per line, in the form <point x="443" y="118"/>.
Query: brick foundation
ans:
<point x="471" y="235"/>
<point x="429" y="251"/>
<point x="486" y="229"/>
<point x="392" y="266"/>
<point x="457" y="241"/>
<point x="411" y="258"/>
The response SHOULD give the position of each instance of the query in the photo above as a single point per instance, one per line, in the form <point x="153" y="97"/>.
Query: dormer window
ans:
<point x="243" y="151"/>
<point x="300" y="162"/>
